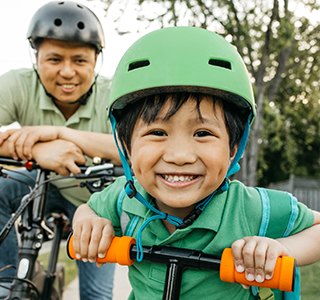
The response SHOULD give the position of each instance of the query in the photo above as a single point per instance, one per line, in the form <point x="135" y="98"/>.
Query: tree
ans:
<point x="279" y="47"/>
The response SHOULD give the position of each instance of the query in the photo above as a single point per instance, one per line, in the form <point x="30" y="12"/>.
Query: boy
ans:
<point x="182" y="103"/>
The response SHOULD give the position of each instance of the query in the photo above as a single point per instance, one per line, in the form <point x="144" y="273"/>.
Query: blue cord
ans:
<point x="132" y="192"/>
<point x="234" y="168"/>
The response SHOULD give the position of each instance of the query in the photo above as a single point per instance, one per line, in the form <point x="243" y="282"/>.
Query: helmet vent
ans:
<point x="80" y="25"/>
<point x="138" y="64"/>
<point x="220" y="63"/>
<point x="57" y="22"/>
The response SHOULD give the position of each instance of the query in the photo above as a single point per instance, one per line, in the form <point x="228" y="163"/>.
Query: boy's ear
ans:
<point x="233" y="153"/>
<point x="125" y="149"/>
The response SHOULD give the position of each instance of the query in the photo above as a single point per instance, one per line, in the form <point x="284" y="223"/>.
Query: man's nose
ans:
<point x="67" y="70"/>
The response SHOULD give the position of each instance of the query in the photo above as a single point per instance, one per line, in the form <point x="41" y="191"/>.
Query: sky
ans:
<point x="15" y="17"/>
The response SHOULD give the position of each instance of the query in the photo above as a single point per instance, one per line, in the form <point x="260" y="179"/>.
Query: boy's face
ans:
<point x="182" y="160"/>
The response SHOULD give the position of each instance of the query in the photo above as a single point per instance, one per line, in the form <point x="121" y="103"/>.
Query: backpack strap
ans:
<point x="128" y="224"/>
<point x="272" y="207"/>
<point x="265" y="294"/>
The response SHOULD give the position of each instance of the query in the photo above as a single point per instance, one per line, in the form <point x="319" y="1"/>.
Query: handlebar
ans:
<point x="86" y="171"/>
<point x="123" y="251"/>
<point x="30" y="165"/>
<point x="101" y="174"/>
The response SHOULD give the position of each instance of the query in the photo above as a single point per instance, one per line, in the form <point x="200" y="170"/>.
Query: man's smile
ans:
<point x="68" y="86"/>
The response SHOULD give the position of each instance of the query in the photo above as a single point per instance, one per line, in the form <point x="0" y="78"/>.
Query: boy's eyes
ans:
<point x="157" y="133"/>
<point x="202" y="133"/>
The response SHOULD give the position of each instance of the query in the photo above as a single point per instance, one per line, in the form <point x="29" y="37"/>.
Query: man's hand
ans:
<point x="59" y="156"/>
<point x="19" y="142"/>
<point x="5" y="135"/>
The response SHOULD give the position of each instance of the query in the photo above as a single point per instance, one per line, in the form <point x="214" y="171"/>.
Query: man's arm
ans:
<point x="60" y="156"/>
<point x="92" y="143"/>
<point x="20" y="142"/>
<point x="4" y="151"/>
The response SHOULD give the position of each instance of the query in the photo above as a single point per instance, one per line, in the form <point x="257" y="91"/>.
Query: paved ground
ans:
<point x="121" y="288"/>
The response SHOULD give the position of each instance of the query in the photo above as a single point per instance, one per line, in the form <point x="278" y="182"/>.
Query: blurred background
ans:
<point x="279" y="41"/>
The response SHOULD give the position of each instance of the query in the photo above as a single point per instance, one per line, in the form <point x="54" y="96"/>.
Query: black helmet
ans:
<point x="66" y="21"/>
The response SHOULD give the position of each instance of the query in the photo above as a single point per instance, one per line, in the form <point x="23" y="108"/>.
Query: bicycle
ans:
<point x="123" y="250"/>
<point x="31" y="281"/>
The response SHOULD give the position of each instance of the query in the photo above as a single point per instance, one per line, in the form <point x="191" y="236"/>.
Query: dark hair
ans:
<point x="38" y="41"/>
<point x="149" y="108"/>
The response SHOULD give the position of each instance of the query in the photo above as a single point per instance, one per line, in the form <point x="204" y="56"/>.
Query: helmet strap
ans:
<point x="235" y="167"/>
<point x="131" y="191"/>
<point x="83" y="100"/>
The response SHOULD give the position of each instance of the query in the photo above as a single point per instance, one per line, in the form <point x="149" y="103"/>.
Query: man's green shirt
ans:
<point x="23" y="99"/>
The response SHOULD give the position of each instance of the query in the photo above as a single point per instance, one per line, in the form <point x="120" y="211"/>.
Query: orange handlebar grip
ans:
<point x="282" y="279"/>
<point x="118" y="252"/>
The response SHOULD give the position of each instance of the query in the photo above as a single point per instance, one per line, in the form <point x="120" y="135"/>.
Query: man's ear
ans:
<point x="36" y="55"/>
<point x="95" y="60"/>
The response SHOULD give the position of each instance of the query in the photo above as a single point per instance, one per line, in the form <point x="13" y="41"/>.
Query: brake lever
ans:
<point x="96" y="185"/>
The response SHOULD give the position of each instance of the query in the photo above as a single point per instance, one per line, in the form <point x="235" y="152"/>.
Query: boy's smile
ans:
<point x="182" y="160"/>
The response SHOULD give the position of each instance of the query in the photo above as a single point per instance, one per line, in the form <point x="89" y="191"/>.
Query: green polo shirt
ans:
<point x="23" y="99"/>
<point x="229" y="216"/>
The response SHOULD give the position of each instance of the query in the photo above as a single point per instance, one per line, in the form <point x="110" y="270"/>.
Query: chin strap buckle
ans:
<point x="189" y="219"/>
<point x="130" y="189"/>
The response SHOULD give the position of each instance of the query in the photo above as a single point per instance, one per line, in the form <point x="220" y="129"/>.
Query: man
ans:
<point x="60" y="105"/>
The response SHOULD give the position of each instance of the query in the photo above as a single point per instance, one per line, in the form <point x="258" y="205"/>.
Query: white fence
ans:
<point x="306" y="190"/>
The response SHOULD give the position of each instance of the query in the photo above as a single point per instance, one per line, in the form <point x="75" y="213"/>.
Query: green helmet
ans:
<point x="180" y="59"/>
<point x="177" y="59"/>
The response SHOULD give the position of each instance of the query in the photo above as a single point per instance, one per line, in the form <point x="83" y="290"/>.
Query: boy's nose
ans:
<point x="180" y="152"/>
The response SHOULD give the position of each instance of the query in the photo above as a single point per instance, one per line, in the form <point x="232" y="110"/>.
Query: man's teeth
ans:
<point x="175" y="178"/>
<point x="68" y="86"/>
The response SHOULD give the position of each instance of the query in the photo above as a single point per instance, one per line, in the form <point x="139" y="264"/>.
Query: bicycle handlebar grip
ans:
<point x="118" y="252"/>
<point x="282" y="279"/>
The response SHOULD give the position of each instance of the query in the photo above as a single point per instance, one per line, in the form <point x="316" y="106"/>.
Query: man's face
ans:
<point x="66" y="69"/>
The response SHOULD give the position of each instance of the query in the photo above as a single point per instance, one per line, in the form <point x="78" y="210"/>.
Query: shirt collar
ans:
<point x="83" y="112"/>
<point x="210" y="218"/>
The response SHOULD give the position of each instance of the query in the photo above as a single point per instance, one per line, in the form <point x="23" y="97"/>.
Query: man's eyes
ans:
<point x="54" y="59"/>
<point x="80" y="61"/>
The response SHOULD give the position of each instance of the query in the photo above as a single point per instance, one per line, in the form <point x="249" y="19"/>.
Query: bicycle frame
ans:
<point x="34" y="231"/>
<point x="31" y="228"/>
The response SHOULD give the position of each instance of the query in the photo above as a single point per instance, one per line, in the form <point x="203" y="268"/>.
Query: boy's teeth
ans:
<point x="175" y="178"/>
